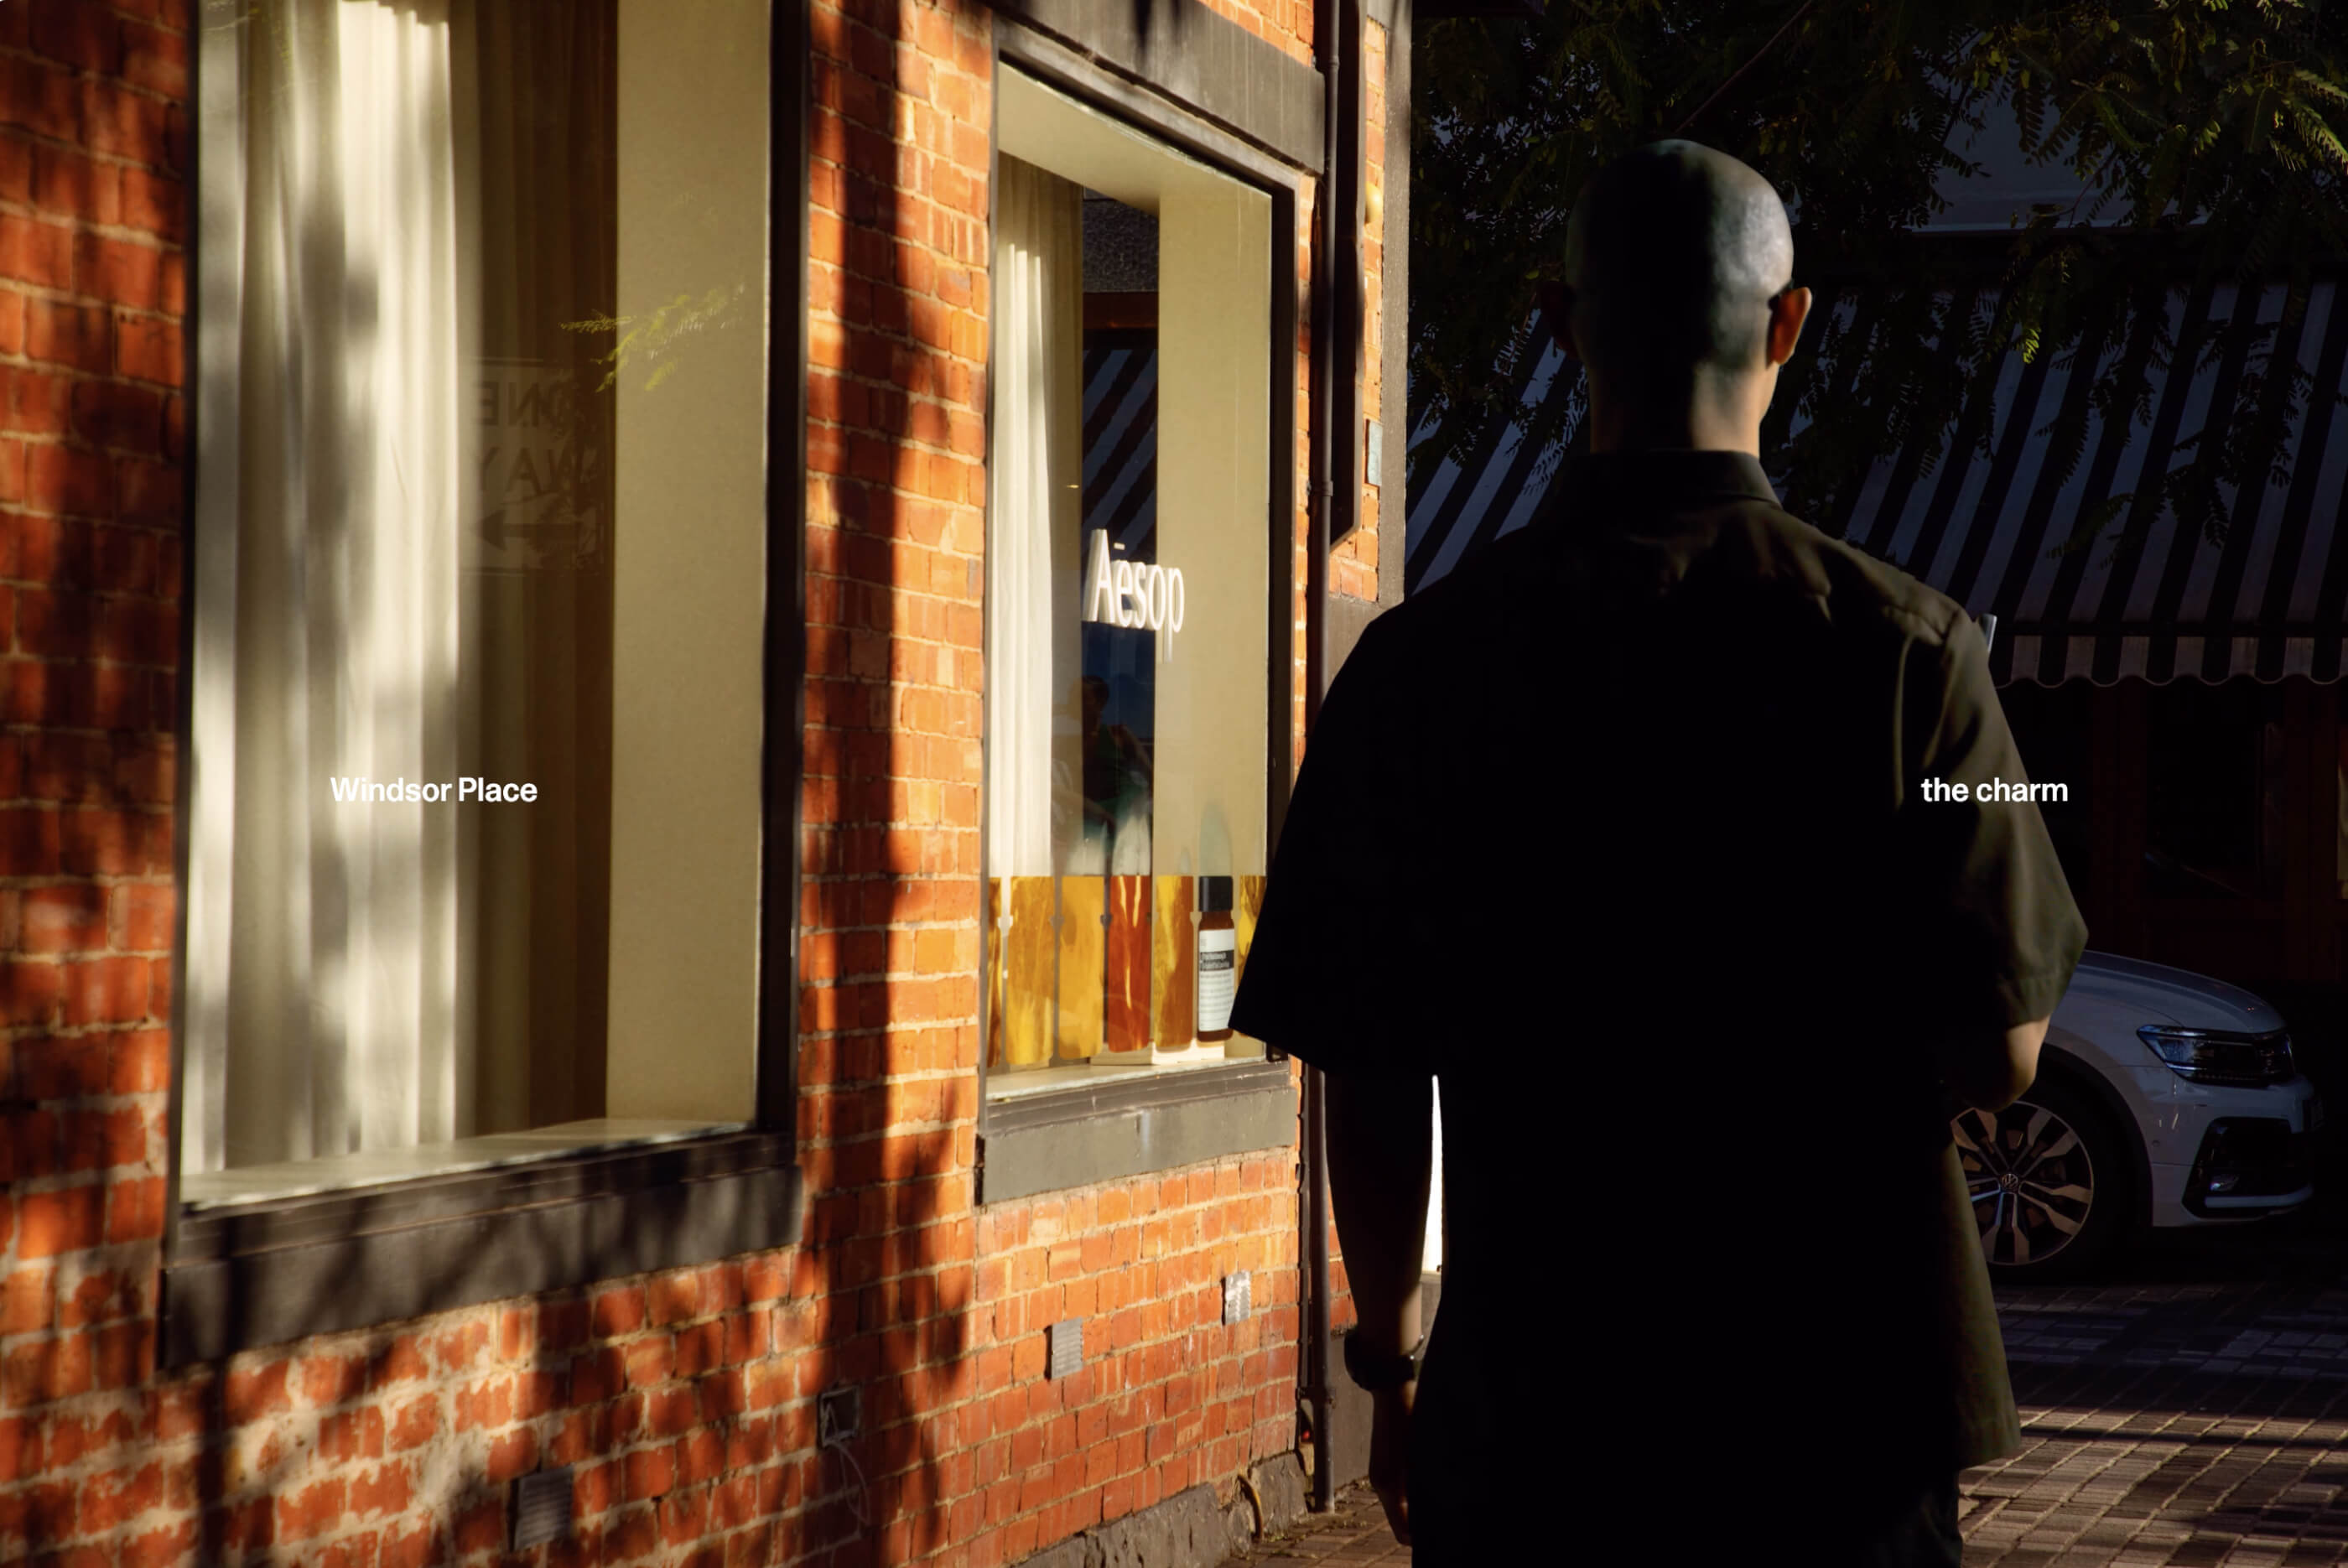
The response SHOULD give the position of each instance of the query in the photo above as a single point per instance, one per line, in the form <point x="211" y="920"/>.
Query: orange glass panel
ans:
<point x="1126" y="1013"/>
<point x="1173" y="965"/>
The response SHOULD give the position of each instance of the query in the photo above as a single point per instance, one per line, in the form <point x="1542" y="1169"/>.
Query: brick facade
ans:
<point x="686" y="1398"/>
<point x="93" y="286"/>
<point x="1354" y="559"/>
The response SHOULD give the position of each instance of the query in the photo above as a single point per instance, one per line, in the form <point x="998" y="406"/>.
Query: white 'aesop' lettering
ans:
<point x="1133" y="594"/>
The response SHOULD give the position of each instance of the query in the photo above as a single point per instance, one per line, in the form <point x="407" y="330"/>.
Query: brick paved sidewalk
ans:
<point x="2170" y="1426"/>
<point x="2198" y="1424"/>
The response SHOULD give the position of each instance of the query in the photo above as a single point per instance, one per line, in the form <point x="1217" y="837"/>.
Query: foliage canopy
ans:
<point x="2208" y="140"/>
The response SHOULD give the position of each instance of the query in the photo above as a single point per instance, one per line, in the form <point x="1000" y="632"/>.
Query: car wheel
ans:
<point x="2050" y="1182"/>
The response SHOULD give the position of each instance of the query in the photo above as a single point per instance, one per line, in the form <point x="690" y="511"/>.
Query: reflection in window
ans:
<point x="2215" y="795"/>
<point x="1128" y="580"/>
<point x="493" y="266"/>
<point x="1118" y="695"/>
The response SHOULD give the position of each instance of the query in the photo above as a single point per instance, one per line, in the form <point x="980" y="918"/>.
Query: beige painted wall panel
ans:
<point x="1214" y="501"/>
<point x="690" y="558"/>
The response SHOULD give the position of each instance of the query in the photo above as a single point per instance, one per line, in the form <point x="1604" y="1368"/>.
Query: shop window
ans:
<point x="1129" y="559"/>
<point x="480" y="601"/>
<point x="2215" y="806"/>
<point x="2051" y="727"/>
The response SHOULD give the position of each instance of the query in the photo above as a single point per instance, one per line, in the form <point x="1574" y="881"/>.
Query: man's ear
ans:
<point x="1556" y="302"/>
<point x="1787" y="312"/>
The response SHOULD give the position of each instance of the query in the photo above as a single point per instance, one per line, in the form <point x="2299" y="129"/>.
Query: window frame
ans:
<point x="1050" y="1140"/>
<point x="237" y="1276"/>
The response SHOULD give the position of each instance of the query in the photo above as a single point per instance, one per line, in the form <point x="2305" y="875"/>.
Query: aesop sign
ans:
<point x="1130" y="593"/>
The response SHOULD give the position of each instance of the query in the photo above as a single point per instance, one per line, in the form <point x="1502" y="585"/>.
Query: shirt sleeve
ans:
<point x="1311" y="981"/>
<point x="1996" y="934"/>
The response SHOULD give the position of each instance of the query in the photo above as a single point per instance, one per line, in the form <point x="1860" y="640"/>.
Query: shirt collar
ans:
<point x="1656" y="480"/>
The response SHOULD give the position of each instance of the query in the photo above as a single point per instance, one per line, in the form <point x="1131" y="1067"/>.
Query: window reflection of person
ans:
<point x="1117" y="781"/>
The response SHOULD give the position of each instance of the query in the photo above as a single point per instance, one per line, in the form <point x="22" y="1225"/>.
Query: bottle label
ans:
<point x="1218" y="965"/>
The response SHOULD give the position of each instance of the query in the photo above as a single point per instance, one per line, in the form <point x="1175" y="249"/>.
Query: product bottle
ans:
<point x="1219" y="957"/>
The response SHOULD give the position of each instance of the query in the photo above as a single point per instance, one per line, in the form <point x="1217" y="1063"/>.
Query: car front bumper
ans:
<point x="2252" y="1153"/>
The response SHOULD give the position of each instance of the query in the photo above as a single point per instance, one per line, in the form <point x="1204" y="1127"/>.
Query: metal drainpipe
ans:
<point x="1335" y="491"/>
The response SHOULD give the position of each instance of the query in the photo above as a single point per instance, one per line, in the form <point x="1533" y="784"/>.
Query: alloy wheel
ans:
<point x="2032" y="1183"/>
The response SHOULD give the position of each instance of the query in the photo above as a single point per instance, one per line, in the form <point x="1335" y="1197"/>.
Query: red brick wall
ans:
<point x="1286" y="23"/>
<point x="687" y="1397"/>
<point x="93" y="284"/>
<point x="1170" y="1396"/>
<point x="1354" y="562"/>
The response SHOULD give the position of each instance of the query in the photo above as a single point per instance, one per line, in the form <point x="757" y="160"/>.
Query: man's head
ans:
<point x="1677" y="265"/>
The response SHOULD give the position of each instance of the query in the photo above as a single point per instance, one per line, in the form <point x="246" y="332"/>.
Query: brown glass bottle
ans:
<point x="1219" y="956"/>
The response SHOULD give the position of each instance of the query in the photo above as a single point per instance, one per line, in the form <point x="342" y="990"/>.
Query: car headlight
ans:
<point x="2220" y="1055"/>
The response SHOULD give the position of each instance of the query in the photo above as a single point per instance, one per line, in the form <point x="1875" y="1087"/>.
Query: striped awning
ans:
<point x="1983" y="528"/>
<point x="1121" y="439"/>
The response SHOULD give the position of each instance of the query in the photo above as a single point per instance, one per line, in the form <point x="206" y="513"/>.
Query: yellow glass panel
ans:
<point x="1083" y="953"/>
<point x="1247" y="903"/>
<point x="993" y="938"/>
<point x="1020" y="1033"/>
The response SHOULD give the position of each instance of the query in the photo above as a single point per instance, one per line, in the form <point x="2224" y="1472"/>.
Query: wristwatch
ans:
<point x="1377" y="1374"/>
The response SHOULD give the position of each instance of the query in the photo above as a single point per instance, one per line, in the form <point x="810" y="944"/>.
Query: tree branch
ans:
<point x="1738" y="74"/>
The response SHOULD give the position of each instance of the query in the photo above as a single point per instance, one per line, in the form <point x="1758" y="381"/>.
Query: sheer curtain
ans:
<point x="344" y="1031"/>
<point x="1035" y="786"/>
<point x="1032" y="556"/>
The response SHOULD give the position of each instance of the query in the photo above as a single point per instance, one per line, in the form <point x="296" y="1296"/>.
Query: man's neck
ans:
<point x="1699" y="423"/>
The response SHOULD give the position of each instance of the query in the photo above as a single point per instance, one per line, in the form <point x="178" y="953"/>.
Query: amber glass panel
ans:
<point x="1083" y="950"/>
<point x="1173" y="965"/>
<point x="1019" y="993"/>
<point x="998" y="975"/>
<point x="1247" y="903"/>
<point x="1127" y="1010"/>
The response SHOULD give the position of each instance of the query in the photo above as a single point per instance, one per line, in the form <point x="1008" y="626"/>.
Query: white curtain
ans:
<point x="343" y="1032"/>
<point x="1034" y="767"/>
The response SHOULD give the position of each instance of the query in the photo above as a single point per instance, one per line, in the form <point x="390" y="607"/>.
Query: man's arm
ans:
<point x="1992" y="1074"/>
<point x="2000" y="934"/>
<point x="1380" y="1155"/>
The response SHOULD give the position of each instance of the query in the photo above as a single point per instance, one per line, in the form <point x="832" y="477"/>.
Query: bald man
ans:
<point x="1619" y="833"/>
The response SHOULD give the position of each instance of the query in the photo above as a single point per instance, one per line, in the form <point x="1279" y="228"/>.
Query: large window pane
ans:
<point x="496" y="617"/>
<point x="1129" y="569"/>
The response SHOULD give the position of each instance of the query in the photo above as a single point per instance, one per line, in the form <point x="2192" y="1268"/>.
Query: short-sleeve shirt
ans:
<point x="1620" y="830"/>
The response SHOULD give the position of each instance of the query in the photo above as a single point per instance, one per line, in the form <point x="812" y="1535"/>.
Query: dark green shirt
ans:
<point x="1619" y="831"/>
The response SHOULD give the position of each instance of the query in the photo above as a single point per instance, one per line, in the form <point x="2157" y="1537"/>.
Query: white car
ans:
<point x="2164" y="1099"/>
